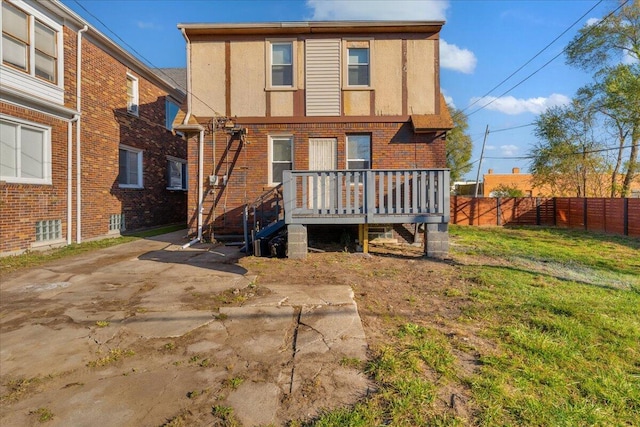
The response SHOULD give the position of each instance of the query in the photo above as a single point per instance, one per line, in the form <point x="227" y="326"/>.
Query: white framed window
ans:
<point x="31" y="44"/>
<point x="132" y="94"/>
<point x="358" y="66"/>
<point x="280" y="156"/>
<point x="130" y="167"/>
<point x="358" y="151"/>
<point x="25" y="152"/>
<point x="48" y="230"/>
<point x="176" y="174"/>
<point x="281" y="59"/>
<point x="357" y="59"/>
<point x="171" y="111"/>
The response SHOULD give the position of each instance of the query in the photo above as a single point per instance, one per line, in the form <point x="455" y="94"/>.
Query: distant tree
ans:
<point x="566" y="156"/>
<point x="505" y="190"/>
<point x="611" y="50"/>
<point x="459" y="145"/>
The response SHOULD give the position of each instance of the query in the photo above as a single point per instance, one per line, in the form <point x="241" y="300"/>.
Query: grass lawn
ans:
<point x="560" y="310"/>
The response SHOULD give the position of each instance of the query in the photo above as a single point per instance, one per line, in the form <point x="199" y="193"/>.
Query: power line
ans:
<point x="157" y="69"/>
<point x="532" y="58"/>
<point x="591" y="29"/>
<point x="576" y="153"/>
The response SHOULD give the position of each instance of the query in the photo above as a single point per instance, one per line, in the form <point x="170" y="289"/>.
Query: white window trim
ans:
<point x="140" y="153"/>
<point x="136" y="95"/>
<point x="46" y="158"/>
<point x="348" y="159"/>
<point x="33" y="80"/>
<point x="345" y="64"/>
<point x="186" y="173"/>
<point x="270" y="166"/>
<point x="294" y="65"/>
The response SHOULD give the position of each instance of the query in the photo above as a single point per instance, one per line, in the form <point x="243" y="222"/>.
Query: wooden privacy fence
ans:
<point x="615" y="216"/>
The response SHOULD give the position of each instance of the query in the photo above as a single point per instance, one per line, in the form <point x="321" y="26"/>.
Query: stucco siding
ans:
<point x="387" y="77"/>
<point x="248" y="79"/>
<point x="208" y="78"/>
<point x="357" y="102"/>
<point x="421" y="76"/>
<point x="281" y="104"/>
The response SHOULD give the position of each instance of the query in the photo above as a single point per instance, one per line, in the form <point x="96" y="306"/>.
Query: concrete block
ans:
<point x="297" y="241"/>
<point x="436" y="240"/>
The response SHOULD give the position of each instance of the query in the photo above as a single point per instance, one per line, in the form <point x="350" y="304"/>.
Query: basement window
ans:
<point x="48" y="230"/>
<point x="116" y="222"/>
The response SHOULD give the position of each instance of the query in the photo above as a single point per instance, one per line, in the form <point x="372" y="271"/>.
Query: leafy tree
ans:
<point x="505" y="190"/>
<point x="611" y="50"/>
<point x="458" y="145"/>
<point x="565" y="159"/>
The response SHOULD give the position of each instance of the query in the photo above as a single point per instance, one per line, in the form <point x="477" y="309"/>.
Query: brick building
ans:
<point x="306" y="96"/>
<point x="87" y="148"/>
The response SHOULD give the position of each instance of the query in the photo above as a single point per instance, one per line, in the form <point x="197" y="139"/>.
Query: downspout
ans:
<point x="76" y="117"/>
<point x="200" y="144"/>
<point x="78" y="138"/>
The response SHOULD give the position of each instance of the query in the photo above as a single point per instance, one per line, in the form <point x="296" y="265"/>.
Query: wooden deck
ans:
<point x="366" y="196"/>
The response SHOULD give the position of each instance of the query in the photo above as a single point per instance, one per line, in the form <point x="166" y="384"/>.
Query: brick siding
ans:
<point x="105" y="125"/>
<point x="394" y="146"/>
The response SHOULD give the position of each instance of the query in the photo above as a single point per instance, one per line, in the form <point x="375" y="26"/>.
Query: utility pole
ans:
<point x="484" y="141"/>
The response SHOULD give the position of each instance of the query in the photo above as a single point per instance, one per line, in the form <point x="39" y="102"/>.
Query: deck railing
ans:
<point x="366" y="196"/>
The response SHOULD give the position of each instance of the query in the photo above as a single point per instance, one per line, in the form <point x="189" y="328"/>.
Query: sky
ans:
<point x="482" y="44"/>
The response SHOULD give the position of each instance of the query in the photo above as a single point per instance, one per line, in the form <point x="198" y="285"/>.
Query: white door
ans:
<point x="322" y="157"/>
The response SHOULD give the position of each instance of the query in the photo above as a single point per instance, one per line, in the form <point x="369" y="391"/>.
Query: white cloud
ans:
<point x="381" y="9"/>
<point x="454" y="58"/>
<point x="147" y="25"/>
<point x="593" y="21"/>
<point x="490" y="147"/>
<point x="512" y="106"/>
<point x="509" y="150"/>
<point x="447" y="98"/>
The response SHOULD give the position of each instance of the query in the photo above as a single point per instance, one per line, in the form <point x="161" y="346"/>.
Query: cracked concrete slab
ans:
<point x="127" y="336"/>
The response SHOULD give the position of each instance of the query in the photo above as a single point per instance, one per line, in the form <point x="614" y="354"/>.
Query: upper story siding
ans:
<point x="230" y="68"/>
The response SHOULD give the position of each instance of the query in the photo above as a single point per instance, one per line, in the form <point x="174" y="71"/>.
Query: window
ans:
<point x="280" y="65"/>
<point x="358" y="151"/>
<point x="358" y="66"/>
<point x="28" y="44"/>
<point x="25" y="152"/>
<point x="48" y="230"/>
<point x="171" y="111"/>
<point x="116" y="222"/>
<point x="130" y="163"/>
<point x="281" y="157"/>
<point x="176" y="174"/>
<point x="132" y="94"/>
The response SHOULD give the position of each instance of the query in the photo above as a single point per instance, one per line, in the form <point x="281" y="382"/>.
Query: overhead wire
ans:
<point x="591" y="29"/>
<point x="149" y="63"/>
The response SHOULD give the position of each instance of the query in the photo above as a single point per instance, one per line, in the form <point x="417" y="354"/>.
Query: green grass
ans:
<point x="560" y="313"/>
<point x="35" y="258"/>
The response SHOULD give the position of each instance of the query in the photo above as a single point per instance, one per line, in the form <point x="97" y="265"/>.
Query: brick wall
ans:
<point x="394" y="146"/>
<point x="105" y="125"/>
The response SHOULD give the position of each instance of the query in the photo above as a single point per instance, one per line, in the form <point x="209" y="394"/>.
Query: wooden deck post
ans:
<point x="363" y="237"/>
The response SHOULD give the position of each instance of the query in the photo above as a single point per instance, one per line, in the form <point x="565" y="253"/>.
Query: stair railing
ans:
<point x="267" y="208"/>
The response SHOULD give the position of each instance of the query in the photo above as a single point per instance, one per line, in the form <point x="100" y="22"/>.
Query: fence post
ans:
<point x="584" y="213"/>
<point x="538" y="211"/>
<point x="498" y="211"/>
<point x="555" y="212"/>
<point x="626" y="216"/>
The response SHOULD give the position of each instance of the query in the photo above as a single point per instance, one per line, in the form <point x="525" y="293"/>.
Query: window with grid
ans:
<point x="281" y="157"/>
<point x="358" y="151"/>
<point x="25" y="152"/>
<point x="116" y="222"/>
<point x="28" y="44"/>
<point x="48" y="230"/>
<point x="130" y="167"/>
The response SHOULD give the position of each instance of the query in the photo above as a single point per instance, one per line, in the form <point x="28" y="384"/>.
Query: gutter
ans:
<point x="75" y="119"/>
<point x="78" y="136"/>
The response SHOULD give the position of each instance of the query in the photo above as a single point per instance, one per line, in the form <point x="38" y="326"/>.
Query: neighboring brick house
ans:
<point x="81" y="162"/>
<point x="322" y="96"/>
